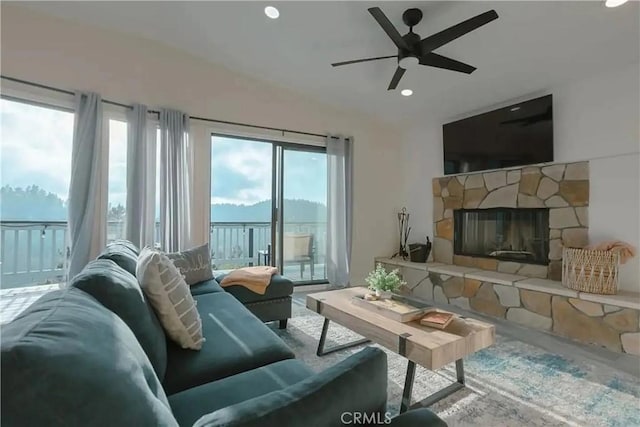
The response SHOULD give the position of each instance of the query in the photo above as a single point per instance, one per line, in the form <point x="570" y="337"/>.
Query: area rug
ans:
<point x="509" y="384"/>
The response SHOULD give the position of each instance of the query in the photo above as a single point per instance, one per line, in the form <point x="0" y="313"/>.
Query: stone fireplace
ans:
<point x="513" y="220"/>
<point x="520" y="235"/>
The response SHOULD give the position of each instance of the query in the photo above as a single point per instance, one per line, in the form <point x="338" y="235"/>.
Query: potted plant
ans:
<point x="383" y="283"/>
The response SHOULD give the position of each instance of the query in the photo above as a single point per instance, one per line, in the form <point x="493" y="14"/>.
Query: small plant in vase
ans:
<point x="383" y="283"/>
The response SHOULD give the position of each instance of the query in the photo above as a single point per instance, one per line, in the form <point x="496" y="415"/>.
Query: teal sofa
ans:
<point x="94" y="354"/>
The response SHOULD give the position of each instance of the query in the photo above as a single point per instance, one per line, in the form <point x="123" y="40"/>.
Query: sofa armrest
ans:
<point x="358" y="384"/>
<point x="417" y="417"/>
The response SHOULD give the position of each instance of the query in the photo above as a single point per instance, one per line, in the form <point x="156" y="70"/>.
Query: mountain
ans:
<point x="295" y="210"/>
<point x="36" y="204"/>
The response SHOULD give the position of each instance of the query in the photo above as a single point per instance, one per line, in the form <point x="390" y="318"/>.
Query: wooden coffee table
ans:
<point x="428" y="347"/>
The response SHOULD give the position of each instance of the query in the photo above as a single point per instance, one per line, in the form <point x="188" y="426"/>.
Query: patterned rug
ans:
<point x="509" y="384"/>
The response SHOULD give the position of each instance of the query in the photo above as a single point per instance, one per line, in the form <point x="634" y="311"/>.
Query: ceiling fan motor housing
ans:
<point x="413" y="41"/>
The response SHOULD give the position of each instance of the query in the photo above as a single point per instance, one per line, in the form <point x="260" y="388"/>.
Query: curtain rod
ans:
<point x="204" y="119"/>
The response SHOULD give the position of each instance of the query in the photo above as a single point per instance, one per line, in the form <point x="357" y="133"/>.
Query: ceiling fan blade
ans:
<point x="439" y="61"/>
<point x="355" y="61"/>
<point x="443" y="37"/>
<point x="388" y="27"/>
<point x="396" y="78"/>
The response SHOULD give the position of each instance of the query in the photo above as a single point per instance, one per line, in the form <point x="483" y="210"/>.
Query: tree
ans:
<point x="31" y="204"/>
<point x="116" y="213"/>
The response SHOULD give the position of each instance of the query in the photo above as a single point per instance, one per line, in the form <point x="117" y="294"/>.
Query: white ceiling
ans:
<point x="532" y="47"/>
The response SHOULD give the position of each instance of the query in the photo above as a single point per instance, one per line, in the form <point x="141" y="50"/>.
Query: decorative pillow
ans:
<point x="194" y="264"/>
<point x="170" y="297"/>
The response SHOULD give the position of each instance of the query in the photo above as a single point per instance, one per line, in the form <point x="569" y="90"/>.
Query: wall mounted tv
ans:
<point x="520" y="134"/>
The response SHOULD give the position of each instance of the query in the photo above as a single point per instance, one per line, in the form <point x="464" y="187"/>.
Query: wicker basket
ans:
<point x="590" y="271"/>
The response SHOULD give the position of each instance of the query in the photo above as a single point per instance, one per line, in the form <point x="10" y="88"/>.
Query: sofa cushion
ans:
<point x="120" y="292"/>
<point x="170" y="297"/>
<point x="194" y="264"/>
<point x="69" y="361"/>
<point x="235" y="341"/>
<point x="356" y="384"/>
<point x="206" y="287"/>
<point x="189" y="405"/>
<point x="122" y="252"/>
<point x="279" y="287"/>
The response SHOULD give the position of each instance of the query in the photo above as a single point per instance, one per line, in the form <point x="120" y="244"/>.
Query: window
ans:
<point x="249" y="178"/>
<point x="117" y="185"/>
<point x="35" y="161"/>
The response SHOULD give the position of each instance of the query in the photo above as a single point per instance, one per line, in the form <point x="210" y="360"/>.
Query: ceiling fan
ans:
<point x="413" y="51"/>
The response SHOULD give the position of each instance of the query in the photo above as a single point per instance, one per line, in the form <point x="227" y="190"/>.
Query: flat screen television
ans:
<point x="520" y="134"/>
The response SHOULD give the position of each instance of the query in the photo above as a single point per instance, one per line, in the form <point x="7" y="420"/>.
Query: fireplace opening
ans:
<point x="520" y="235"/>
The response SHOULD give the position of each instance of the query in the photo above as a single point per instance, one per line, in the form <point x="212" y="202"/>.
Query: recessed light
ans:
<point x="515" y="109"/>
<point x="406" y="92"/>
<point x="614" y="3"/>
<point x="271" y="12"/>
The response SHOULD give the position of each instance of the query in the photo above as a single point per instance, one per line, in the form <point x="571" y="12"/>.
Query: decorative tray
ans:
<point x="398" y="308"/>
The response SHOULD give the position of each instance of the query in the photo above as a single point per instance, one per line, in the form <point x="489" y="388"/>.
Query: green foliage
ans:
<point x="116" y="213"/>
<point x="380" y="280"/>
<point x="31" y="203"/>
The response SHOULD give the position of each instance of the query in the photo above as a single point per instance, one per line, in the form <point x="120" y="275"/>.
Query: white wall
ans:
<point x="596" y="119"/>
<point x="599" y="119"/>
<point x="128" y="69"/>
<point x="423" y="161"/>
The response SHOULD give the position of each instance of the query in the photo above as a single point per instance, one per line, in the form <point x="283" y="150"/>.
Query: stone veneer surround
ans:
<point x="610" y="321"/>
<point x="561" y="187"/>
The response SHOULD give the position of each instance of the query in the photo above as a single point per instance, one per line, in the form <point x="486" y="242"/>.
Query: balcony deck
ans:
<point x="33" y="255"/>
<point x="36" y="252"/>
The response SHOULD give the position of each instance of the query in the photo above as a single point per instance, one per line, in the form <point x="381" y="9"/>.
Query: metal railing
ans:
<point x="36" y="252"/>
<point x="32" y="252"/>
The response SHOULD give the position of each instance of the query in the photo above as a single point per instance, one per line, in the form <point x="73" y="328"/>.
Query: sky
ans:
<point x="36" y="145"/>
<point x="242" y="172"/>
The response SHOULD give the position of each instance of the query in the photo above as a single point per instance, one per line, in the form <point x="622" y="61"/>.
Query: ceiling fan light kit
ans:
<point x="408" y="62"/>
<point x="413" y="51"/>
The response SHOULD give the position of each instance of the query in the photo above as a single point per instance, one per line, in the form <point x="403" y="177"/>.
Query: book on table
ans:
<point x="437" y="319"/>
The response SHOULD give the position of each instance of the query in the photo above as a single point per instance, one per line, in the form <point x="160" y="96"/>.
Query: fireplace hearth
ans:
<point x="520" y="235"/>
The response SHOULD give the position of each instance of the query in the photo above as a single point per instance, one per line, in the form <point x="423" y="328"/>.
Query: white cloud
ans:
<point x="36" y="150"/>
<point x="252" y="160"/>
<point x="117" y="163"/>
<point x="36" y="147"/>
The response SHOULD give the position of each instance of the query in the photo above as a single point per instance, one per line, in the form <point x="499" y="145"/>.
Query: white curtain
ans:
<point x="176" y="166"/>
<point x="339" y="195"/>
<point x="88" y="189"/>
<point x="141" y="177"/>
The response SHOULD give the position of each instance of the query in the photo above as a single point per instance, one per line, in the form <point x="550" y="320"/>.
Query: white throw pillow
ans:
<point x="171" y="298"/>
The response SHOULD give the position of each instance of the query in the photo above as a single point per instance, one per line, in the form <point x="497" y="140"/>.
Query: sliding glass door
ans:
<point x="304" y="214"/>
<point x="268" y="207"/>
<point x="241" y="202"/>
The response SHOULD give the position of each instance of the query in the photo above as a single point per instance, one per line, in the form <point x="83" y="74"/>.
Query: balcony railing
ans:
<point x="36" y="252"/>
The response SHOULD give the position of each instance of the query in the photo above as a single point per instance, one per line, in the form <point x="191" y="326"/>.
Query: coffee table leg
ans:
<point x="435" y="397"/>
<point x="323" y="336"/>
<point x="408" y="387"/>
